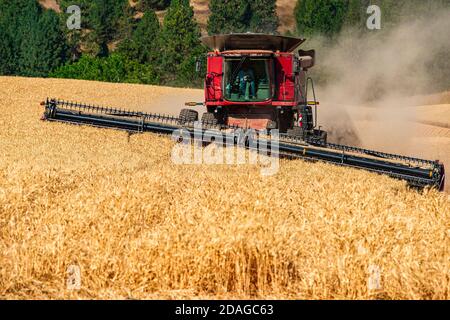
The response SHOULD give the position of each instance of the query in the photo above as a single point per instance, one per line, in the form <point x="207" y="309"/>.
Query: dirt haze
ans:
<point x="376" y="96"/>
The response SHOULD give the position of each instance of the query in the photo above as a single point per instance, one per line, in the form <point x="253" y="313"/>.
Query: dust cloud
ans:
<point x="374" y="78"/>
<point x="172" y="100"/>
<point x="369" y="83"/>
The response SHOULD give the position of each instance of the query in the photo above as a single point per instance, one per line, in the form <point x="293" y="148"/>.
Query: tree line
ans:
<point x="122" y="43"/>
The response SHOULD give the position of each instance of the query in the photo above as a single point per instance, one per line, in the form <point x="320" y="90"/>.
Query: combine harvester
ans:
<point x="257" y="82"/>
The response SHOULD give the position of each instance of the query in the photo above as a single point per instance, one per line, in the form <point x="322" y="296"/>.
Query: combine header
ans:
<point x="257" y="81"/>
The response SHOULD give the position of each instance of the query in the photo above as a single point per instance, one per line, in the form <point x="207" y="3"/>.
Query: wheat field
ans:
<point x="140" y="227"/>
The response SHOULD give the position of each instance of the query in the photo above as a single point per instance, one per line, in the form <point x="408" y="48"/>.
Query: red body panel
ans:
<point x="284" y="81"/>
<point x="285" y="77"/>
<point x="286" y="87"/>
<point x="246" y="122"/>
<point x="213" y="81"/>
<point x="256" y="117"/>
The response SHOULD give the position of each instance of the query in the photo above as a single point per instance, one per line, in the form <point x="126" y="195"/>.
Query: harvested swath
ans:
<point x="438" y="98"/>
<point x="436" y="115"/>
<point x="424" y="130"/>
<point x="139" y="226"/>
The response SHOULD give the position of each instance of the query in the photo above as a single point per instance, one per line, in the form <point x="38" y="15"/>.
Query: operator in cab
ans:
<point x="247" y="76"/>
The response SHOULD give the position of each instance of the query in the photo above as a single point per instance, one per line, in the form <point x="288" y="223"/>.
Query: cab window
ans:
<point x="247" y="79"/>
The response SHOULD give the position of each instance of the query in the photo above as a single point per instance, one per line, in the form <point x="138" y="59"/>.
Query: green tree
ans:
<point x="110" y="21"/>
<point x="143" y="45"/>
<point x="393" y="12"/>
<point x="357" y="14"/>
<point x="180" y="43"/>
<point x="6" y="53"/>
<point x="242" y="16"/>
<point x="32" y="42"/>
<point x="76" y="39"/>
<point x="229" y="16"/>
<point x="115" y="68"/>
<point x="45" y="49"/>
<point x="264" y="16"/>
<point x="106" y="22"/>
<point x="146" y="5"/>
<point x="17" y="20"/>
<point x="320" y="16"/>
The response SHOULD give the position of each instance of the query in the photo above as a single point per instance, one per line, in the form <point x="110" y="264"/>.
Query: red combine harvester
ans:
<point x="260" y="81"/>
<point x="256" y="81"/>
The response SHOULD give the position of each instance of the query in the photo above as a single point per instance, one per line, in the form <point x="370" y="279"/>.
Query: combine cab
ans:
<point x="256" y="81"/>
<point x="260" y="81"/>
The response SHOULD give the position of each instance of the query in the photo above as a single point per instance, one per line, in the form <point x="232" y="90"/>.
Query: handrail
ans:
<point x="310" y="80"/>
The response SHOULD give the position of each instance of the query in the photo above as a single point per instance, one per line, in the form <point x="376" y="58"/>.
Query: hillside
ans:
<point x="285" y="9"/>
<point x="50" y="4"/>
<point x="139" y="226"/>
